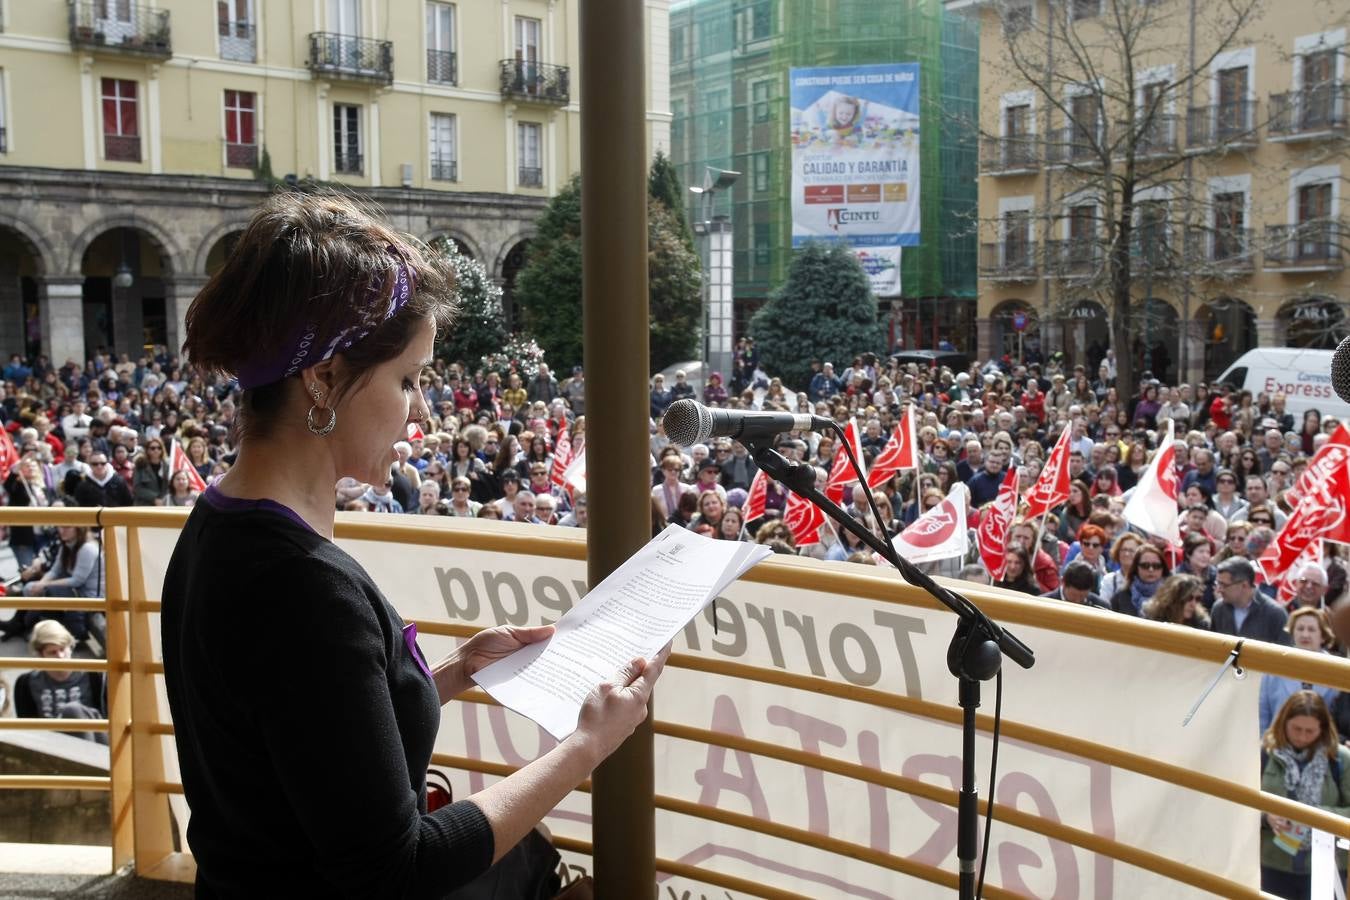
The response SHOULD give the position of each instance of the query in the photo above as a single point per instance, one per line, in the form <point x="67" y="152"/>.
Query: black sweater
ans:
<point x="304" y="722"/>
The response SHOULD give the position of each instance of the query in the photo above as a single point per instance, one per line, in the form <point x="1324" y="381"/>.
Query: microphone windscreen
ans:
<point x="687" y="422"/>
<point x="1340" y="370"/>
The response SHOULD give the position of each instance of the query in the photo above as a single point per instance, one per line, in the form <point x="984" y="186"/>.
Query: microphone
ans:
<point x="688" y="422"/>
<point x="1340" y="370"/>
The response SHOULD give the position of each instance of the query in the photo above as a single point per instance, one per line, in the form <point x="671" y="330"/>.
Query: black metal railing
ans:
<point x="4" y="142"/>
<point x="241" y="156"/>
<point x="537" y="82"/>
<point x="1155" y="250"/>
<point x="442" y="67"/>
<point x="122" y="148"/>
<point x="444" y="170"/>
<point x="530" y="176"/>
<point x="1229" y="249"/>
<point x="1313" y="111"/>
<point x="238" y="41"/>
<point x="1154" y="137"/>
<point x="1073" y="144"/>
<point x="120" y="27"/>
<point x="1315" y="244"/>
<point x="1072" y="258"/>
<point x="1009" y="259"/>
<point x="1007" y="155"/>
<point x="350" y="57"/>
<point x="1223" y="124"/>
<point x="347" y="162"/>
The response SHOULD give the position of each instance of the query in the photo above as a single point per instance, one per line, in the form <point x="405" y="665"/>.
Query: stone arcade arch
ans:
<point x="508" y="268"/>
<point x="1317" y="321"/>
<point x="1226" y="329"/>
<point x="129" y="318"/>
<point x="25" y="258"/>
<point x="1005" y="338"/>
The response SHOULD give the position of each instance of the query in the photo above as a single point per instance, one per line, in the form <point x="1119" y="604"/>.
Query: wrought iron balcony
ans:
<point x="344" y="56"/>
<point x="1012" y="259"/>
<point x="444" y="170"/>
<point x="442" y="67"/>
<point x="241" y="156"/>
<point x="122" y="28"/>
<point x="530" y="176"/>
<point x="535" y="82"/>
<point x="1156" y="137"/>
<point x="1155" y="252"/>
<point x="1074" y="258"/>
<point x="1222" y="250"/>
<point x="1221" y="125"/>
<point x="1314" y="112"/>
<point x="122" y="148"/>
<point x="239" y="41"/>
<point x="4" y="142"/>
<point x="1072" y="145"/>
<point x="1314" y="245"/>
<point x="347" y="162"/>
<point x="1018" y="155"/>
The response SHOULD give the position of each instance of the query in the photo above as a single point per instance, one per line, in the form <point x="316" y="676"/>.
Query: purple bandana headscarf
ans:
<point x="309" y="348"/>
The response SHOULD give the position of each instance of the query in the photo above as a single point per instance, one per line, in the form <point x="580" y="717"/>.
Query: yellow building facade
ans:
<point x="136" y="136"/>
<point x="1238" y="231"/>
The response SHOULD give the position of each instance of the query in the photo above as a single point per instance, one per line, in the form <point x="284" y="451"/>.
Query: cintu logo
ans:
<point x="836" y="216"/>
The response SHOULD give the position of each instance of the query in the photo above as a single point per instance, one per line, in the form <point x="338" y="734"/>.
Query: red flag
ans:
<point x="759" y="494"/>
<point x="9" y="457"/>
<point x="1320" y="513"/>
<point x="995" y="524"/>
<point x="1289" y="584"/>
<point x="900" y="452"/>
<point x="415" y="432"/>
<point x="1332" y="462"/>
<point x="940" y="533"/>
<point x="804" y="519"/>
<point x="181" y="462"/>
<point x="562" y="458"/>
<point x="1052" y="488"/>
<point x="841" y="473"/>
<point x="1152" y="506"/>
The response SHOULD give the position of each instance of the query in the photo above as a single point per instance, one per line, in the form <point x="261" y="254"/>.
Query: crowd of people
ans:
<point x="496" y="445"/>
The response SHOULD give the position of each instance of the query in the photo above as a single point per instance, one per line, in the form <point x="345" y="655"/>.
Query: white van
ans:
<point x="1303" y="376"/>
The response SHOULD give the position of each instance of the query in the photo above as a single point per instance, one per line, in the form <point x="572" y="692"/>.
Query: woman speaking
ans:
<point x="304" y="746"/>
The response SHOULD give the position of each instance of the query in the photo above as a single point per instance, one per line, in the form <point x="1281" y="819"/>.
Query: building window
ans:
<point x="347" y="139"/>
<point x="1085" y="127"/>
<point x="237" y="30"/>
<point x="527" y="39"/>
<point x="344" y="17"/>
<point x="760" y="173"/>
<point x="241" y="140"/>
<point x="444" y="159"/>
<point x="1319" y="97"/>
<point x="4" y="116"/>
<point x="679" y="48"/>
<point x="1152" y="229"/>
<point x="1086" y="9"/>
<point x="441" y="62"/>
<point x="121" y="132"/>
<point x="757" y="22"/>
<point x="1016" y="18"/>
<point x="1317" y="232"/>
<point x="1230" y="225"/>
<point x="1082" y="233"/>
<point x="763" y="243"/>
<point x="1017" y="244"/>
<point x="529" y="169"/>
<point x="1231" y="116"/>
<point x="760" y="94"/>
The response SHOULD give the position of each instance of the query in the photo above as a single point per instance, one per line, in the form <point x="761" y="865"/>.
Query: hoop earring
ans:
<point x="316" y="429"/>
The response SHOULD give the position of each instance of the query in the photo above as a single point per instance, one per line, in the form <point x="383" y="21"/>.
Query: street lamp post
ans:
<point x="718" y="274"/>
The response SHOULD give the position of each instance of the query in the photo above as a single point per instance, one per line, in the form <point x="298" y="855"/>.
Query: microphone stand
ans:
<point x="974" y="655"/>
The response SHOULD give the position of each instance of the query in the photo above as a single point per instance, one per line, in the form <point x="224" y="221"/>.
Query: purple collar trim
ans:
<point x="224" y="503"/>
<point x="309" y="347"/>
<point x="410" y="638"/>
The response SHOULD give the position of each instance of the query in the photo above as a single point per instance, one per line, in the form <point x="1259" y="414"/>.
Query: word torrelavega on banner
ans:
<point x="855" y="158"/>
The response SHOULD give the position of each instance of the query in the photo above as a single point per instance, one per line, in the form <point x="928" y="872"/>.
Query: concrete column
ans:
<point x="1270" y="332"/>
<point x="1194" y="336"/>
<point x="178" y="295"/>
<point x="984" y="339"/>
<point x="61" y="301"/>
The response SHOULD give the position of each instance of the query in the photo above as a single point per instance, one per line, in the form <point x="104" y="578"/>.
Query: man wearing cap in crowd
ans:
<point x="709" y="471"/>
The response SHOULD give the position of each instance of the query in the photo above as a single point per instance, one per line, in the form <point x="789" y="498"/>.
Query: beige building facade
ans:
<point x="135" y="138"/>
<point x="1238" y="230"/>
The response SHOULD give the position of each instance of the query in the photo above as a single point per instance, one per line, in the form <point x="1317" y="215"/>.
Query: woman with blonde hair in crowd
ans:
<point x="1310" y="629"/>
<point x="1304" y="761"/>
<point x="1122" y="555"/>
<point x="1180" y="602"/>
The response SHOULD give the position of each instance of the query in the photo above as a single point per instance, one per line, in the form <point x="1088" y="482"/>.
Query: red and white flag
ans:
<point x="415" y="432"/>
<point x="758" y="497"/>
<point x="9" y="457"/>
<point x="1319" y="514"/>
<point x="1288" y="588"/>
<point x="562" y="458"/>
<point x="574" y="476"/>
<point x="841" y="473"/>
<point x="803" y="518"/>
<point x="995" y="523"/>
<point x="1052" y="488"/>
<point x="939" y="533"/>
<point x="900" y="452"/>
<point x="1153" y="505"/>
<point x="181" y="462"/>
<point x="1328" y="465"/>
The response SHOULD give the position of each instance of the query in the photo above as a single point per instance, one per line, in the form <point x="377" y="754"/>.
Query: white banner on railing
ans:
<point x="1090" y="688"/>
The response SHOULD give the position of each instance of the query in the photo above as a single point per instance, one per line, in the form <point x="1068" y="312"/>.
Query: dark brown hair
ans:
<point x="311" y="259"/>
